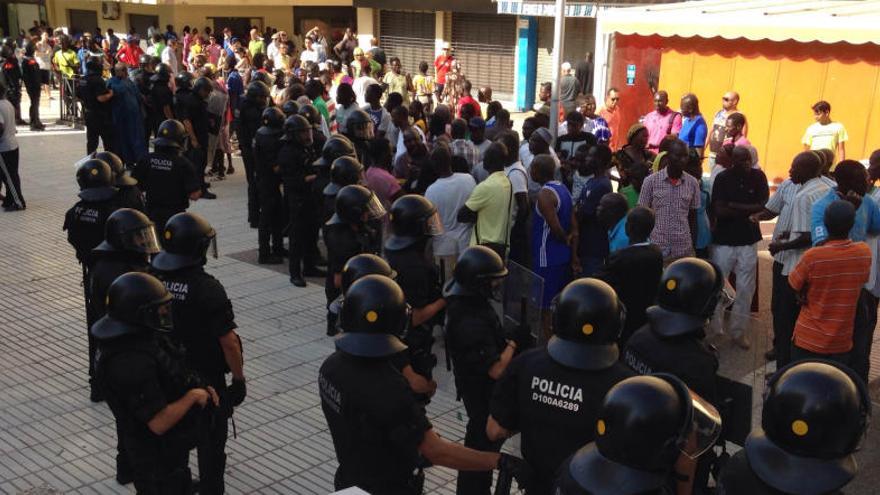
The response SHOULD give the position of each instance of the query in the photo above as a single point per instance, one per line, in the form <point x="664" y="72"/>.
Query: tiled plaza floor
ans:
<point x="52" y="437"/>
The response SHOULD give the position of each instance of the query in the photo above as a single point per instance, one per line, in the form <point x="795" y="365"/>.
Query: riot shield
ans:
<point x="522" y="294"/>
<point x="216" y="106"/>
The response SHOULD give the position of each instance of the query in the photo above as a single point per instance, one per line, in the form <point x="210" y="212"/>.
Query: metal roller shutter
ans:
<point x="485" y="44"/>
<point x="408" y="36"/>
<point x="580" y="38"/>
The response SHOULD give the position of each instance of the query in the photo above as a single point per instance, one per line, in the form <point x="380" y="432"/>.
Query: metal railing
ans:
<point x="71" y="108"/>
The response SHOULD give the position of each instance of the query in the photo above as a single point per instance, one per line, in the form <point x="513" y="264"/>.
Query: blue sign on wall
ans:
<point x="631" y="75"/>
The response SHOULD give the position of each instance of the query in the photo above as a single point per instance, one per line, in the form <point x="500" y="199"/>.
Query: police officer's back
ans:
<point x="644" y="425"/>
<point x="552" y="394"/>
<point x="161" y="98"/>
<point x="129" y="196"/>
<point x="96" y="96"/>
<point x="13" y="77"/>
<point x="267" y="144"/>
<point x="314" y="117"/>
<point x="336" y="147"/>
<point x="84" y="222"/>
<point x="344" y="171"/>
<point x="379" y="430"/>
<point x="478" y="348"/>
<point x="673" y="339"/>
<point x="360" y="129"/>
<point x="250" y="112"/>
<point x="204" y="323"/>
<point x="146" y="384"/>
<point x="167" y="178"/>
<point x="815" y="416"/>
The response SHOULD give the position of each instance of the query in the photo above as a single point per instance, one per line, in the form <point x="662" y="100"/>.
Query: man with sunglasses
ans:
<point x="718" y="134"/>
<point x="611" y="113"/>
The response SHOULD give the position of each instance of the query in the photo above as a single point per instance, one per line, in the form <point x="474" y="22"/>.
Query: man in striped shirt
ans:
<point x="828" y="280"/>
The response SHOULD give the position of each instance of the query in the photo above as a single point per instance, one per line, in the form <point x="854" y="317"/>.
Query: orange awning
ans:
<point x="826" y="21"/>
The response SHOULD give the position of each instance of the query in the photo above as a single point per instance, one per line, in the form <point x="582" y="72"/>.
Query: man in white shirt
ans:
<point x="14" y="201"/>
<point x="361" y="84"/>
<point x="169" y="55"/>
<point x="309" y="54"/>
<point x="449" y="193"/>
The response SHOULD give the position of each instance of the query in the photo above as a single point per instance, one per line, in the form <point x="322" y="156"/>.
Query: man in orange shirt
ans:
<point x="828" y="280"/>
<point x="611" y="113"/>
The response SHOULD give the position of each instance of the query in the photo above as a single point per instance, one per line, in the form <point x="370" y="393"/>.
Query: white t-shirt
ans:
<point x="359" y="86"/>
<point x="8" y="142"/>
<point x="170" y="58"/>
<point x="519" y="177"/>
<point x="309" y="56"/>
<point x="449" y="194"/>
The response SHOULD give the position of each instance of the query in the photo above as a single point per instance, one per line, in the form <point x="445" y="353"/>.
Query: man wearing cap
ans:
<point x="552" y="394"/>
<point x="442" y="64"/>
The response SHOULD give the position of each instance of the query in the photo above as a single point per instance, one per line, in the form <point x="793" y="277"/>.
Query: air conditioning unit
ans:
<point x="110" y="10"/>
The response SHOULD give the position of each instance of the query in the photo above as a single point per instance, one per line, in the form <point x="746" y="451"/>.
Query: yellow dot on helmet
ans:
<point x="671" y="284"/>
<point x="587" y="329"/>
<point x="94" y="171"/>
<point x="800" y="427"/>
<point x="372" y="316"/>
<point x="167" y="234"/>
<point x="164" y="131"/>
<point x="600" y="427"/>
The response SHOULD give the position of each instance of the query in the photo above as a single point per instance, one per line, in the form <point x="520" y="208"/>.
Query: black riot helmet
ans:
<point x="185" y="242"/>
<point x="129" y="230"/>
<point x="289" y="108"/>
<point x="344" y="172"/>
<point x="689" y="291"/>
<point x="5" y="50"/>
<point x="94" y="65"/>
<point x="413" y="218"/>
<point x="338" y="145"/>
<point x="299" y="130"/>
<point x="587" y="321"/>
<point x="257" y="90"/>
<point x="355" y="204"/>
<point x="144" y="60"/>
<point x="311" y="114"/>
<point x="644" y="424"/>
<point x="29" y="48"/>
<point x="359" y="126"/>
<point x="136" y="302"/>
<point x="120" y="177"/>
<point x="163" y="73"/>
<point x="183" y="80"/>
<point x="815" y="416"/>
<point x="373" y="315"/>
<point x="171" y="134"/>
<point x="203" y="87"/>
<point x="272" y="118"/>
<point x="95" y="179"/>
<point x="477" y="273"/>
<point x="362" y="265"/>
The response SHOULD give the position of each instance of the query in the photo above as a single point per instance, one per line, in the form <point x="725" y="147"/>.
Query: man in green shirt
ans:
<point x="65" y="59"/>
<point x="490" y="206"/>
<point x="256" y="44"/>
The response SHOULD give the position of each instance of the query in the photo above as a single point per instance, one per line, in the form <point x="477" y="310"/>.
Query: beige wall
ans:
<point x="57" y="11"/>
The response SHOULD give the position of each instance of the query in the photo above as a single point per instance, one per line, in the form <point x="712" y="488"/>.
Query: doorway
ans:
<point x="141" y="24"/>
<point x="240" y="26"/>
<point x="82" y="21"/>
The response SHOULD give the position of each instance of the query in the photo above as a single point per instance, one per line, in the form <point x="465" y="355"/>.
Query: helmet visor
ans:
<point x="705" y="427"/>
<point x="434" y="225"/>
<point x="374" y="208"/>
<point x="142" y="240"/>
<point x="212" y="248"/>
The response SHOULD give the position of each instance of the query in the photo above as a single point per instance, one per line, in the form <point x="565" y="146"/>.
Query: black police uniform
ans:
<point x="344" y="242"/>
<point x="191" y="107"/>
<point x="140" y="76"/>
<point x="475" y="340"/>
<point x="33" y="81"/>
<point x="296" y="164"/>
<point x="141" y="375"/>
<point x="202" y="314"/>
<point x="249" y="114"/>
<point x="167" y="179"/>
<point x="12" y="76"/>
<point x="267" y="145"/>
<point x="98" y="115"/>
<point x="161" y="97"/>
<point x="553" y="405"/>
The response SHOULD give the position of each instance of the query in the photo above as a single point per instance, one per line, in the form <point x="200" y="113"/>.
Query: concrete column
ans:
<point x="526" y="62"/>
<point x="366" y="27"/>
<point x="439" y="30"/>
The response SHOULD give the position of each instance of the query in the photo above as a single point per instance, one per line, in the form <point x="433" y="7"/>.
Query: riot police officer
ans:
<point x="12" y="76"/>
<point x="250" y="112"/>
<point x="314" y="117"/>
<point x="644" y="425"/>
<point x="155" y="402"/>
<point x="344" y="171"/>
<point x="290" y="108"/>
<point x="205" y="324"/>
<point x="355" y="268"/>
<point x="141" y="76"/>
<point x="815" y="415"/>
<point x="379" y="431"/>
<point x="359" y="128"/>
<point x="551" y="394"/>
<point x="161" y="98"/>
<point x="167" y="178"/>
<point x="84" y="222"/>
<point x="129" y="196"/>
<point x="347" y="234"/>
<point x="192" y="108"/>
<point x="673" y="339"/>
<point x="96" y="104"/>
<point x="129" y="241"/>
<point x="33" y="81"/>
<point x="336" y="147"/>
<point x="414" y="220"/>
<point x="267" y="144"/>
<point x="478" y="348"/>
<point x="295" y="158"/>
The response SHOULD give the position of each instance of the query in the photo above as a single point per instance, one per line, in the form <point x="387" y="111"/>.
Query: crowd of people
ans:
<point x="422" y="197"/>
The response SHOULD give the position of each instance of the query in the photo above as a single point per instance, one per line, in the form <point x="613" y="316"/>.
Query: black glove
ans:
<point x="236" y="392"/>
<point x="522" y="336"/>
<point x="518" y="469"/>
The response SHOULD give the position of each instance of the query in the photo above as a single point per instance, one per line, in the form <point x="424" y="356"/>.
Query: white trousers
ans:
<point x="743" y="262"/>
